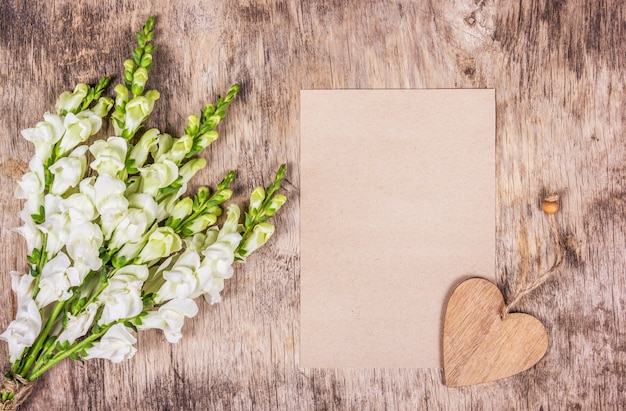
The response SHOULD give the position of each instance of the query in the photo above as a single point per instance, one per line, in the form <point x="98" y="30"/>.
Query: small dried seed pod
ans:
<point x="550" y="204"/>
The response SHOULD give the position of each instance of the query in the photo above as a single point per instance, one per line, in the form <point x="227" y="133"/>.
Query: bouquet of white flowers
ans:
<point x="114" y="244"/>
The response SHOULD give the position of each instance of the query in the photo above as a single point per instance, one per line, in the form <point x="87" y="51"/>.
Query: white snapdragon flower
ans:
<point x="158" y="175"/>
<point x="115" y="345"/>
<point x="29" y="231"/>
<point x="79" y="127"/>
<point x="138" y="109"/>
<point x="122" y="296"/>
<point x="32" y="185"/>
<point x="180" y="147"/>
<point x="110" y="155"/>
<point x="68" y="171"/>
<point x="45" y="134"/>
<point x="71" y="101"/>
<point x="170" y="318"/>
<point x="78" y="325"/>
<point x="83" y="246"/>
<point x="22" y="331"/>
<point x="55" y="283"/>
<point x="220" y="255"/>
<point x="79" y="207"/>
<point x="181" y="281"/>
<point x="259" y="236"/>
<point x="162" y="242"/>
<point x="57" y="227"/>
<point x="110" y="202"/>
<point x="142" y="148"/>
<point x="190" y="169"/>
<point x="133" y="225"/>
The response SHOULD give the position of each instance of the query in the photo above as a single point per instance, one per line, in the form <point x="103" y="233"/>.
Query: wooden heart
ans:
<point x="478" y="345"/>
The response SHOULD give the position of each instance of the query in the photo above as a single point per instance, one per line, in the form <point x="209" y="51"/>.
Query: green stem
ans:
<point x="64" y="354"/>
<point x="41" y="338"/>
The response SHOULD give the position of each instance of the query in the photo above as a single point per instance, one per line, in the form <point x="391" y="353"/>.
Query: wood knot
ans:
<point x="470" y="19"/>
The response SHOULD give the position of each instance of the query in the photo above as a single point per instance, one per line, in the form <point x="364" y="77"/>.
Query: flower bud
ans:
<point x="274" y="205"/>
<point x="259" y="236"/>
<point x="158" y="175"/>
<point x="199" y="224"/>
<point x="207" y="138"/>
<point x="256" y="198"/>
<point x="139" y="80"/>
<point x="193" y="125"/>
<point x="182" y="209"/>
<point x="121" y="95"/>
<point x="162" y="147"/>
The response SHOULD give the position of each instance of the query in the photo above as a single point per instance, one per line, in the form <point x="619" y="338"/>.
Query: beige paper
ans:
<point x="397" y="207"/>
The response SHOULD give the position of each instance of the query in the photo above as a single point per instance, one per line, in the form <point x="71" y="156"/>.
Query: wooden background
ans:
<point x="558" y="71"/>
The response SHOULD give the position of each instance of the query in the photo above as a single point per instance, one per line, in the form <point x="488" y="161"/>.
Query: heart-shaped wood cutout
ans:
<point x="478" y="345"/>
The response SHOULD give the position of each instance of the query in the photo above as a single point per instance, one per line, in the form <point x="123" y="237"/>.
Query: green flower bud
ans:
<point x="146" y="61"/>
<point x="274" y="205"/>
<point x="182" y="209"/>
<point x="137" y="110"/>
<point x="193" y="125"/>
<point x="256" y="198"/>
<point x="139" y="80"/>
<point x="121" y="95"/>
<point x="259" y="236"/>
<point x="207" y="138"/>
<point x="129" y="65"/>
<point x="199" y="224"/>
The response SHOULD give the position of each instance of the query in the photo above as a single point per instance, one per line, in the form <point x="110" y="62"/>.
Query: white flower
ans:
<point x="54" y="283"/>
<point x="138" y="109"/>
<point x="130" y="228"/>
<point x="115" y="345"/>
<point x="142" y="148"/>
<point x="83" y="244"/>
<point x="190" y="168"/>
<point x="79" y="127"/>
<point x="162" y="242"/>
<point x="22" y="331"/>
<point x="259" y="236"/>
<point x="122" y="296"/>
<point x="70" y="101"/>
<point x="32" y="183"/>
<point x="158" y="175"/>
<point x="170" y="318"/>
<point x="68" y="171"/>
<point x="180" y="148"/>
<point x="110" y="155"/>
<point x="44" y="135"/>
<point x="77" y="326"/>
<point x="110" y="202"/>
<point x="180" y="280"/>
<point x="57" y="227"/>
<point x="29" y="231"/>
<point x="78" y="206"/>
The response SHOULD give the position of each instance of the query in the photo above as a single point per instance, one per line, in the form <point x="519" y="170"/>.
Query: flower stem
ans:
<point x="41" y="338"/>
<point x="64" y="354"/>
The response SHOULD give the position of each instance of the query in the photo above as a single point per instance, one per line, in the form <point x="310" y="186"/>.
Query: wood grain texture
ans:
<point x="557" y="68"/>
<point x="480" y="346"/>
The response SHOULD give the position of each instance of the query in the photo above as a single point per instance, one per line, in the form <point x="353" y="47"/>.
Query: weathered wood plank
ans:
<point x="557" y="70"/>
